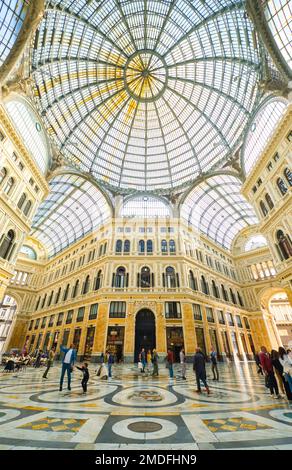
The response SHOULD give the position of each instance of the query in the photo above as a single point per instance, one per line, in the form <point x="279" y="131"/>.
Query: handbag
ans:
<point x="140" y="365"/>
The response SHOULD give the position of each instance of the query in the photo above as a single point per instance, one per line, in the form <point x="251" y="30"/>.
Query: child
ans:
<point x="85" y="372"/>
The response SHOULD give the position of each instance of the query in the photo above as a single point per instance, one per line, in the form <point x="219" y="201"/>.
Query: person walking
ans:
<point x="38" y="360"/>
<point x="267" y="366"/>
<point x="169" y="362"/>
<point x="110" y="362"/>
<point x="143" y="359"/>
<point x="50" y="362"/>
<point x="199" y="366"/>
<point x="278" y="370"/>
<point x="182" y="359"/>
<point x="85" y="378"/>
<point x="213" y="357"/>
<point x="155" y="363"/>
<point x="68" y="361"/>
<point x="258" y="363"/>
<point x="286" y="363"/>
<point x="149" y="361"/>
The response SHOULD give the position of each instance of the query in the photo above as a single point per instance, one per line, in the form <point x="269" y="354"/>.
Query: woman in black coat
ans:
<point x="200" y="370"/>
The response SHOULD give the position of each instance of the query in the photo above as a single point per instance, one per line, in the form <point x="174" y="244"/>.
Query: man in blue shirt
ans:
<point x="68" y="361"/>
<point x="213" y="357"/>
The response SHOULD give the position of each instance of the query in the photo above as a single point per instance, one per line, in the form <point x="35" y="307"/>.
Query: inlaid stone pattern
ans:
<point x="147" y="395"/>
<point x="233" y="424"/>
<point x="55" y="424"/>
<point x="145" y="426"/>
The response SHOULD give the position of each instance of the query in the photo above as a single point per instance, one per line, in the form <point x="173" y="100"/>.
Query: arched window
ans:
<point x="192" y="281"/>
<point x="287" y="173"/>
<point x="75" y="289"/>
<point x="44" y="301"/>
<point x="284" y="244"/>
<point x="170" y="279"/>
<point x="27" y="208"/>
<point x="66" y="292"/>
<point x="104" y="248"/>
<point x="119" y="245"/>
<point x="3" y="174"/>
<point x="120" y="278"/>
<point x="204" y="285"/>
<point x="98" y="280"/>
<point x="145" y="278"/>
<point x="263" y="208"/>
<point x="127" y="246"/>
<point x="269" y="201"/>
<point x="50" y="298"/>
<point x="141" y="246"/>
<point x="171" y="246"/>
<point x="100" y="250"/>
<point x="232" y="296"/>
<point x="9" y="185"/>
<point x="6" y="245"/>
<point x="240" y="299"/>
<point x="224" y="293"/>
<point x="86" y="285"/>
<point x="282" y="186"/>
<point x="215" y="290"/>
<point x="21" y="201"/>
<point x="149" y="247"/>
<point x="163" y="246"/>
<point x="58" y="295"/>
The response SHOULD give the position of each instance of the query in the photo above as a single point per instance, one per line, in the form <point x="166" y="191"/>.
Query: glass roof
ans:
<point x="279" y="17"/>
<point x="31" y="131"/>
<point x="261" y="131"/>
<point x="145" y="207"/>
<point x="12" y="14"/>
<point x="145" y="95"/>
<point x="216" y="208"/>
<point x="73" y="208"/>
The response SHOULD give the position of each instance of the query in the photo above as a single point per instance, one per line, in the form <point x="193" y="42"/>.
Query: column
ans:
<point x="129" y="339"/>
<point x="190" y="339"/>
<point x="160" y="330"/>
<point x="99" y="342"/>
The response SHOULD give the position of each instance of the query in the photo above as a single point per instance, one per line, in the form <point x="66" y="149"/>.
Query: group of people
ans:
<point x="104" y="371"/>
<point x="148" y="362"/>
<point x="277" y="369"/>
<point x="276" y="366"/>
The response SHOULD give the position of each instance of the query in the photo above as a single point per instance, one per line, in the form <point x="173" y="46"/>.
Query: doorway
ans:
<point x="145" y="335"/>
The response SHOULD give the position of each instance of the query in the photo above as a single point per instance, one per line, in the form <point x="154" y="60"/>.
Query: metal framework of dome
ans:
<point x="12" y="14"/>
<point x="146" y="96"/>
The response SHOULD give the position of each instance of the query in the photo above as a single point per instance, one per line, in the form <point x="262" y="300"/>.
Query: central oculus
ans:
<point x="145" y="75"/>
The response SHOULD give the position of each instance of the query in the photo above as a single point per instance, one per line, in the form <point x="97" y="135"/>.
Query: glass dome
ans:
<point x="216" y="208"/>
<point x="145" y="95"/>
<point x="29" y="252"/>
<point x="12" y="15"/>
<point x="278" y="14"/>
<point x="74" y="208"/>
<point x="145" y="207"/>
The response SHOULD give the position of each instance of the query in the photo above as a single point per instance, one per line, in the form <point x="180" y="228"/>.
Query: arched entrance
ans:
<point x="145" y="336"/>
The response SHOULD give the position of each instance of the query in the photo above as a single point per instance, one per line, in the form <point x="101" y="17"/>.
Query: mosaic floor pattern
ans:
<point x="132" y="411"/>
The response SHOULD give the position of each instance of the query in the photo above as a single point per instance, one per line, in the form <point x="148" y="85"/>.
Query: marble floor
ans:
<point x="133" y="411"/>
